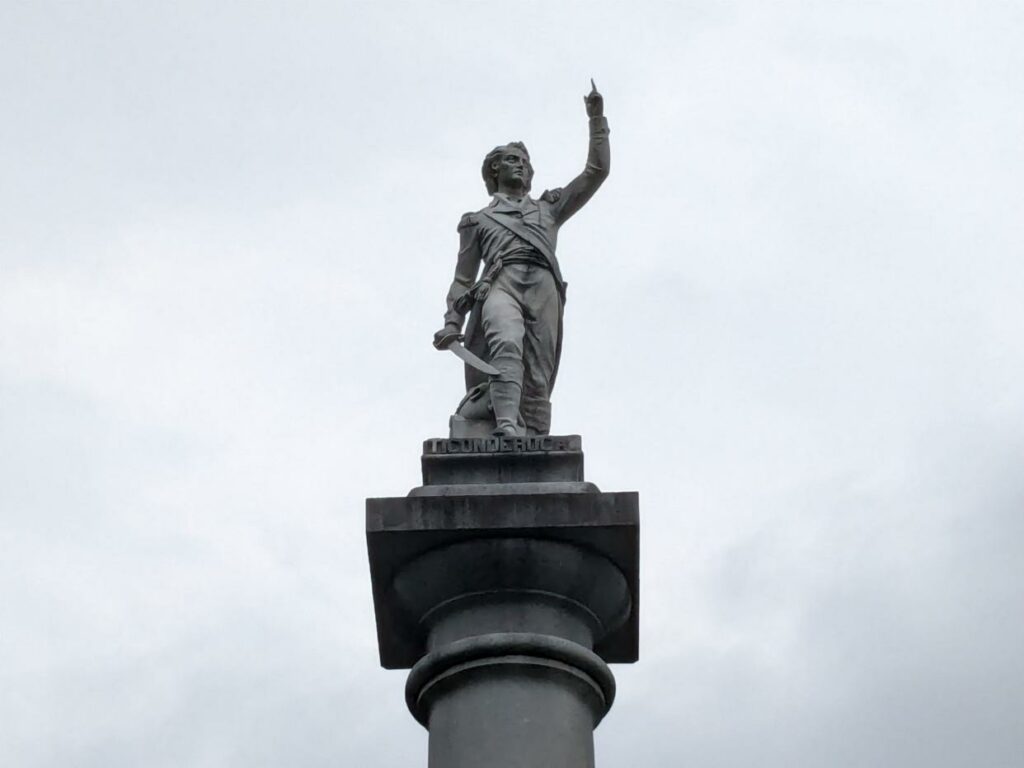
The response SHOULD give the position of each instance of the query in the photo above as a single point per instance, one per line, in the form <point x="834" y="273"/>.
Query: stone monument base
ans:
<point x="507" y="583"/>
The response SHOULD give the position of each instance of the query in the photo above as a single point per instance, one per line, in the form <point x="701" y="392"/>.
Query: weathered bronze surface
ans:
<point x="509" y="282"/>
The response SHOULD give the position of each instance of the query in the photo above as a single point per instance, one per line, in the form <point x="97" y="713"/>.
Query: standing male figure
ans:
<point x="516" y="306"/>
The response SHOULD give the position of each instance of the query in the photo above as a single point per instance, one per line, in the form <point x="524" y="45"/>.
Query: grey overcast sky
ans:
<point x="795" y="326"/>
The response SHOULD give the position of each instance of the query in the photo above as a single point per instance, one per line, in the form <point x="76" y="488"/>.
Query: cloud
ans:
<point x="793" y="326"/>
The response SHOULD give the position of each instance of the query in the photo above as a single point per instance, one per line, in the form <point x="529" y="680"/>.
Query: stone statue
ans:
<point x="508" y="280"/>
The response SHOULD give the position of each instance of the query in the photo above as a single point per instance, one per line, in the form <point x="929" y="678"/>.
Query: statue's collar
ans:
<point x="503" y="202"/>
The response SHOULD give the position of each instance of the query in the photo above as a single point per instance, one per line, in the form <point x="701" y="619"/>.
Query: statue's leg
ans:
<point x="502" y="321"/>
<point x="541" y="306"/>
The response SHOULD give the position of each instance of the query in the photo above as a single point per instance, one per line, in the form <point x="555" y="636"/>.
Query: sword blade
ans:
<point x="473" y="360"/>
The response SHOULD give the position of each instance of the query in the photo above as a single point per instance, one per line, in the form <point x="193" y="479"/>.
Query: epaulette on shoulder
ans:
<point x="551" y="195"/>
<point x="467" y="220"/>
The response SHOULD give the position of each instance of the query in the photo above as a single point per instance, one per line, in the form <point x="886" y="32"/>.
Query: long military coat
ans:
<point x="505" y="224"/>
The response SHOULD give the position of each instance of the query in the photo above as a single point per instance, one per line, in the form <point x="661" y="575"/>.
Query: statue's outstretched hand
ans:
<point x="594" y="101"/>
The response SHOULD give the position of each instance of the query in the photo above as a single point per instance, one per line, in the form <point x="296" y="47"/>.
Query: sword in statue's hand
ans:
<point x="452" y="341"/>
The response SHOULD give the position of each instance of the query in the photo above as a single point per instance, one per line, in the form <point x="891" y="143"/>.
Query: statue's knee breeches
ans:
<point x="520" y="320"/>
<point x="504" y="330"/>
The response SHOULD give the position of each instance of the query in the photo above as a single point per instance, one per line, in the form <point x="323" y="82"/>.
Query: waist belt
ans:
<point x="526" y="256"/>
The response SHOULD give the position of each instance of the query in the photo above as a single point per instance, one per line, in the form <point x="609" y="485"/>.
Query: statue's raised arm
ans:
<point x="509" y="282"/>
<point x="575" y="195"/>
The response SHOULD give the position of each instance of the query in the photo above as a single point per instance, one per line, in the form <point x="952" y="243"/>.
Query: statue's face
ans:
<point x="513" y="169"/>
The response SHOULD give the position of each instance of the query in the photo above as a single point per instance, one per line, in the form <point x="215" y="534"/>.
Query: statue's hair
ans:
<point x="489" y="169"/>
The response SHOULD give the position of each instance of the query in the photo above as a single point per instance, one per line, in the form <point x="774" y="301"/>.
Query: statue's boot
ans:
<point x="505" y="397"/>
